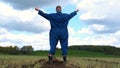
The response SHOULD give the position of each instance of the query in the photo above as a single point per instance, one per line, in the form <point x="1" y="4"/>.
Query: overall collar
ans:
<point x="59" y="12"/>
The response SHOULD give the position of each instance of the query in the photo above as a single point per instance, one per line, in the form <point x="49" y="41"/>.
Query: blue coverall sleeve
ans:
<point x="45" y="15"/>
<point x="71" y="15"/>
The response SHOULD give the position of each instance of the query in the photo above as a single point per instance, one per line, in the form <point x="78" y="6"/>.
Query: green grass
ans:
<point x="84" y="59"/>
<point x="17" y="60"/>
<point x="100" y="62"/>
<point x="40" y="53"/>
<point x="75" y="53"/>
<point x="83" y="62"/>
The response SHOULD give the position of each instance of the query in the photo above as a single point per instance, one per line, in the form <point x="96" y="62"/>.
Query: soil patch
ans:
<point x="42" y="63"/>
<point x="58" y="64"/>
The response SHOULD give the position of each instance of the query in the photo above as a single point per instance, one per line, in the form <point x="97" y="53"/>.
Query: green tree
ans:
<point x="27" y="50"/>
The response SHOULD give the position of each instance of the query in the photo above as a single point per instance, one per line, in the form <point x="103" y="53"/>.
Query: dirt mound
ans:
<point x="56" y="64"/>
<point x="42" y="63"/>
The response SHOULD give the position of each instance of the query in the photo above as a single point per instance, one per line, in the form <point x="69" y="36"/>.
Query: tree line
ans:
<point x="14" y="50"/>
<point x="28" y="50"/>
<point x="111" y="50"/>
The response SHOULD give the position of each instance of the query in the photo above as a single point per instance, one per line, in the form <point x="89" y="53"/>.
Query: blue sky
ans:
<point x="97" y="22"/>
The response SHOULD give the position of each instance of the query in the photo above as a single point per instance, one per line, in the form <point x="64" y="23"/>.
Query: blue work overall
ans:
<point x="58" y="32"/>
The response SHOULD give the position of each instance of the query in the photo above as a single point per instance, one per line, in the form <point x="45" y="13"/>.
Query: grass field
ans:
<point x="81" y="59"/>
<point x="75" y="53"/>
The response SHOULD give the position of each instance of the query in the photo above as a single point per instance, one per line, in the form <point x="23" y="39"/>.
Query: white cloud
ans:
<point x="36" y="40"/>
<point x="85" y="36"/>
<point x="94" y="39"/>
<point x="41" y="41"/>
<point x="27" y="4"/>
<point x="71" y="31"/>
<point x="2" y="31"/>
<point x="85" y="31"/>
<point x="23" y="21"/>
<point x="97" y="14"/>
<point x="101" y="12"/>
<point x="97" y="27"/>
<point x="87" y="16"/>
<point x="27" y="20"/>
<point x="75" y="1"/>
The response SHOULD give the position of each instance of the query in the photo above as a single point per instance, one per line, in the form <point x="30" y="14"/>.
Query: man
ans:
<point x="59" y="31"/>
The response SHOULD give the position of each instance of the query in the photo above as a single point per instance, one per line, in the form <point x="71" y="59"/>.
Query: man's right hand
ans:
<point x="37" y="9"/>
<point x="77" y="10"/>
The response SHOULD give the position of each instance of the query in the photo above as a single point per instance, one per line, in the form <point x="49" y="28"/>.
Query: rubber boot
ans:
<point x="64" y="59"/>
<point x="50" y="59"/>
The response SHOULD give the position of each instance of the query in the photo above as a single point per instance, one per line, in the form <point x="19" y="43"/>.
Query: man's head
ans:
<point x="58" y="9"/>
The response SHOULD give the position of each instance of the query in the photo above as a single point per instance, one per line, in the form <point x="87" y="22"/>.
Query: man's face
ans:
<point x="58" y="9"/>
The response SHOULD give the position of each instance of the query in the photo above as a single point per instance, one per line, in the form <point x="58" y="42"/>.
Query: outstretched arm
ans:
<point x="72" y="14"/>
<point x="45" y="15"/>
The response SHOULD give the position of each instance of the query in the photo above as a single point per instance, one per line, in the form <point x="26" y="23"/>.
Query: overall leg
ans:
<point x="64" y="45"/>
<point x="53" y="42"/>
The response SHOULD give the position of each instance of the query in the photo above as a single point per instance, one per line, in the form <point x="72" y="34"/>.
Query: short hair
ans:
<point x="58" y="6"/>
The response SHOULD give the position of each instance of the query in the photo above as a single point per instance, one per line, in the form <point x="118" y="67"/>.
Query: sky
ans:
<point x="96" y="23"/>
